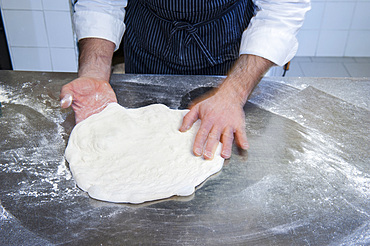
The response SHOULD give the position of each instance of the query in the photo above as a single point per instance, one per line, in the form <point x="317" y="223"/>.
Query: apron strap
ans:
<point x="192" y="34"/>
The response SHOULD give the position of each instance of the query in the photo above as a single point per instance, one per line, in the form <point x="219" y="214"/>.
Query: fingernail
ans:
<point x="198" y="152"/>
<point x="245" y="146"/>
<point x="208" y="154"/>
<point x="226" y="154"/>
<point x="66" y="99"/>
<point x="184" y="128"/>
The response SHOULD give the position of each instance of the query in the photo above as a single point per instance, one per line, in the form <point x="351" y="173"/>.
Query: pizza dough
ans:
<point x="137" y="155"/>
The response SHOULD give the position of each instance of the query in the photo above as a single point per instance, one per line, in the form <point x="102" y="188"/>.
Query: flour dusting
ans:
<point x="34" y="136"/>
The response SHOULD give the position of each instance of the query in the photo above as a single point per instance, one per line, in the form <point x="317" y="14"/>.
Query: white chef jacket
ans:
<point x="271" y="33"/>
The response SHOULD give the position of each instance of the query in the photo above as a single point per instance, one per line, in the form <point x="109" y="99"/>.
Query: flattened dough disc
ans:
<point x="137" y="155"/>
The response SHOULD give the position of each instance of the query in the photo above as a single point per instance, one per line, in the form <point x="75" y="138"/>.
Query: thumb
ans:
<point x="65" y="97"/>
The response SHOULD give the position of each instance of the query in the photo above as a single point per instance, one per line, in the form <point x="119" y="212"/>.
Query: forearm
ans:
<point x="95" y="58"/>
<point x="244" y="77"/>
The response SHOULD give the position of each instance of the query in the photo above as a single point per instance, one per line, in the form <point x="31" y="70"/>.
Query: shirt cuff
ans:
<point x="90" y="24"/>
<point x="277" y="46"/>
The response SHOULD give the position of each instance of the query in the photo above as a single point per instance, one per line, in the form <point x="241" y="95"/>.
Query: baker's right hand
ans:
<point x="87" y="96"/>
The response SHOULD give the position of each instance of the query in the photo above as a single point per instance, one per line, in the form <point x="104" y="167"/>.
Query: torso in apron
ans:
<point x="184" y="36"/>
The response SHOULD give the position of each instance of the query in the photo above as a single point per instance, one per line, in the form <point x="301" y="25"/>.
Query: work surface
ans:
<point x="304" y="181"/>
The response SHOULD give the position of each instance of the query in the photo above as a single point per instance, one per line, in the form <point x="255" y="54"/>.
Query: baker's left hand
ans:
<point x="222" y="119"/>
<point x="221" y="113"/>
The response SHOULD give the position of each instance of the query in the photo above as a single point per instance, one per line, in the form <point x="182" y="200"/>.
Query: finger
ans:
<point x="227" y="143"/>
<point x="241" y="139"/>
<point x="213" y="140"/>
<point x="189" y="119"/>
<point x="66" y="97"/>
<point x="200" y="138"/>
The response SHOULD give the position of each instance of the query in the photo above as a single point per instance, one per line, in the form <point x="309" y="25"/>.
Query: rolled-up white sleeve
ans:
<point x="100" y="19"/>
<point x="271" y="34"/>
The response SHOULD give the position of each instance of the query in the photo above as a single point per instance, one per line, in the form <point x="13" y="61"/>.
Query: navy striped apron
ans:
<point x="184" y="36"/>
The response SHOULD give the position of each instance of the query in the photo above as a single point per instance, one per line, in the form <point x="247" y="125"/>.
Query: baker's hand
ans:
<point x="87" y="96"/>
<point x="222" y="118"/>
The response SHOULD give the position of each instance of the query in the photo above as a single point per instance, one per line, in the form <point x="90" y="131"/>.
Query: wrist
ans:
<point x="95" y="58"/>
<point x="244" y="77"/>
<point x="102" y="74"/>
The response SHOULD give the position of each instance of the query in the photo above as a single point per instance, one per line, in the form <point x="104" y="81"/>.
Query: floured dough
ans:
<point x="137" y="155"/>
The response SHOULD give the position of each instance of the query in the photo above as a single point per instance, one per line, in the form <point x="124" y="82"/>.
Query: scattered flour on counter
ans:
<point x="34" y="152"/>
<point x="3" y="95"/>
<point x="4" y="215"/>
<point x="323" y="154"/>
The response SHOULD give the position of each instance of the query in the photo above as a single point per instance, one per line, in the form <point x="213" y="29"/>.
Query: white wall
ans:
<point x="336" y="28"/>
<point x="39" y="34"/>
